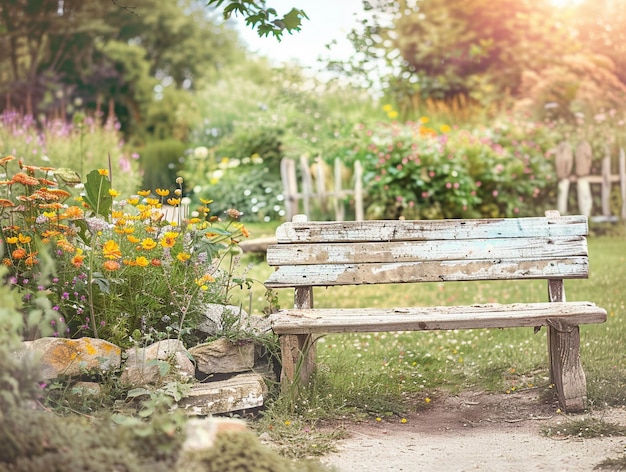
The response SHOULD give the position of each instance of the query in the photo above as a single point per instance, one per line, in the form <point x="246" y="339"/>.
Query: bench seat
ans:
<point x="492" y="315"/>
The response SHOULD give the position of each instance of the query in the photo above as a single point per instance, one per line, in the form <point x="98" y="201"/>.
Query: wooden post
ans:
<point x="320" y="168"/>
<point x="290" y="187"/>
<point x="564" y="162"/>
<point x="566" y="372"/>
<point x="338" y="203"/>
<point x="298" y="350"/>
<point x="358" y="191"/>
<point x="307" y="184"/>
<point x="583" y="168"/>
<point x="606" y="185"/>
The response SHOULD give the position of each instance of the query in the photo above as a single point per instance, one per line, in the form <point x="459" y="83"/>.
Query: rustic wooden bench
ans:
<point x="322" y="254"/>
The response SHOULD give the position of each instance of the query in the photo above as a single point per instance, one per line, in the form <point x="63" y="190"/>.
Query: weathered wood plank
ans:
<point x="415" y="230"/>
<point x="343" y="320"/>
<point x="429" y="271"/>
<point x="410" y="251"/>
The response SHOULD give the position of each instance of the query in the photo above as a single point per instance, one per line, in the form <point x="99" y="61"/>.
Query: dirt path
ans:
<point x="476" y="432"/>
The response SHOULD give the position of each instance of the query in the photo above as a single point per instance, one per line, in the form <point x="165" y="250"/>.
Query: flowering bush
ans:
<point x="127" y="271"/>
<point x="414" y="171"/>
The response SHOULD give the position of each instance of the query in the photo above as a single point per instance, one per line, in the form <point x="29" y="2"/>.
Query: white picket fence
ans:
<point x="574" y="166"/>
<point x="314" y="188"/>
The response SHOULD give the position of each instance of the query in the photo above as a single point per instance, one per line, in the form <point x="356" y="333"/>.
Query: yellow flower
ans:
<point x="387" y="107"/>
<point x="133" y="239"/>
<point x="424" y="119"/>
<point x="162" y="192"/>
<point x="148" y="243"/>
<point x="183" y="256"/>
<point x="114" y="193"/>
<point x="152" y="201"/>
<point x="194" y="221"/>
<point x="287" y="423"/>
<point x="111" y="250"/>
<point x="141" y="261"/>
<point x="133" y="201"/>
<point x="403" y="420"/>
<point x="169" y="239"/>
<point x="205" y="201"/>
<point x="378" y="419"/>
<point x="144" y="193"/>
<point x="103" y="172"/>
<point x="173" y="201"/>
<point x="24" y="239"/>
<point x="445" y="129"/>
<point x="392" y="114"/>
<point x="12" y="240"/>
<point x="427" y="400"/>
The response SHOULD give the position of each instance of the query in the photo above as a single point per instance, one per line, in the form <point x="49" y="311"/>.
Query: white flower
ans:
<point x="201" y="152"/>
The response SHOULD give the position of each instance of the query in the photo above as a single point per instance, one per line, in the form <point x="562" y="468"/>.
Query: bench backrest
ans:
<point x="310" y="253"/>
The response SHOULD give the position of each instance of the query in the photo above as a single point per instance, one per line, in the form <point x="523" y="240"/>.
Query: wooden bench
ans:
<point x="322" y="254"/>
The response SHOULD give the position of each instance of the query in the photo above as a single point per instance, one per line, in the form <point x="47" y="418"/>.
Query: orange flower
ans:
<point x="7" y="262"/>
<point x="77" y="260"/>
<point x="19" y="253"/>
<point x="31" y="260"/>
<point x="72" y="213"/>
<point x="141" y="261"/>
<point x="6" y="203"/>
<point x="244" y="231"/>
<point x="111" y="265"/>
<point x="156" y="262"/>
<point x="103" y="172"/>
<point x="148" y="244"/>
<point x="111" y="250"/>
<point x="22" y="178"/>
<point x="49" y="183"/>
<point x="5" y="160"/>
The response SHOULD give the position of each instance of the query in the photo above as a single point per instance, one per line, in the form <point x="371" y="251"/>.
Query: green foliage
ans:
<point x="415" y="172"/>
<point x="265" y="20"/>
<point x="161" y="160"/>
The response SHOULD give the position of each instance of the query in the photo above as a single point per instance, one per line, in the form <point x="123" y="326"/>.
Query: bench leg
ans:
<point x="566" y="372"/>
<point x="298" y="358"/>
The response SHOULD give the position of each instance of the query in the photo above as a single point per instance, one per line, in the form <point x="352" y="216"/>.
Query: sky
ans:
<point x="328" y="20"/>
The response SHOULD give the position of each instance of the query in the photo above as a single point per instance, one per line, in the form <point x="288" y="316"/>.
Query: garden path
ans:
<point x="471" y="431"/>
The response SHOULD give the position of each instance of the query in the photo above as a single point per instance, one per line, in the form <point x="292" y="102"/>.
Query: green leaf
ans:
<point x="137" y="392"/>
<point x="68" y="176"/>
<point x="97" y="194"/>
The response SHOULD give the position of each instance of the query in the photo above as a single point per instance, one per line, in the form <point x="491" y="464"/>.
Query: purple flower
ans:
<point x="65" y="296"/>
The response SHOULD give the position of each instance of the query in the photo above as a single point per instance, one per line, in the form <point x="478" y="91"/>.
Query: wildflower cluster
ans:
<point x="128" y="270"/>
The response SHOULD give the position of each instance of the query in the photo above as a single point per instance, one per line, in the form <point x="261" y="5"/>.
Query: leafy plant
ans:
<point x="128" y="270"/>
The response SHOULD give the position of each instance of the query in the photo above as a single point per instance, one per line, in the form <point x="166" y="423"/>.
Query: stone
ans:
<point x="200" y="434"/>
<point x="215" y="315"/>
<point x="74" y="357"/>
<point x="241" y="392"/>
<point x="144" y="365"/>
<point x="222" y="356"/>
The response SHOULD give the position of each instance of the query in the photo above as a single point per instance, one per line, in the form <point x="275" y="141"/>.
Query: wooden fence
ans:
<point x="574" y="166"/>
<point x="315" y="188"/>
